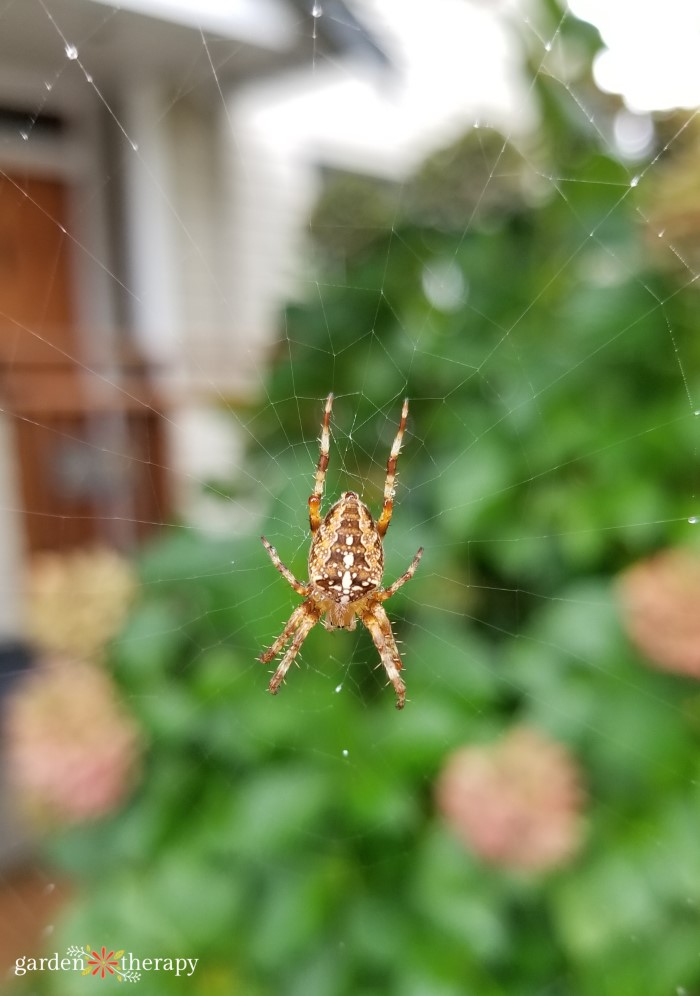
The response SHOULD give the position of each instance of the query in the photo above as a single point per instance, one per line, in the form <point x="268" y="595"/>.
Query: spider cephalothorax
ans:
<point x="346" y="563"/>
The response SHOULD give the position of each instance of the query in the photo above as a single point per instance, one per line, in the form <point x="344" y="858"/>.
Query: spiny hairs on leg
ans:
<point x="298" y="626"/>
<point x="305" y="626"/>
<point x="377" y="622"/>
<point x="293" y="622"/>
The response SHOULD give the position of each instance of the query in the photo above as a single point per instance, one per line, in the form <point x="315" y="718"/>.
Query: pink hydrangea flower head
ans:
<point x="72" y="750"/>
<point x="515" y="803"/>
<point x="660" y="601"/>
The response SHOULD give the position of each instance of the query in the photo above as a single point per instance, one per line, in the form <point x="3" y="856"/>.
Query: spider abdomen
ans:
<point x="346" y="561"/>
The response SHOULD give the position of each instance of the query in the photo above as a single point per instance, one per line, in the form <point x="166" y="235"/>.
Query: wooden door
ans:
<point x="36" y="300"/>
<point x="88" y="442"/>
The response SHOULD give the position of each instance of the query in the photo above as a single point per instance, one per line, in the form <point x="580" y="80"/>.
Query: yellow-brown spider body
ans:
<point x="346" y="563"/>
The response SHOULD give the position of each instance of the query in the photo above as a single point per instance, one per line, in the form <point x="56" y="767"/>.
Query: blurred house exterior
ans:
<point x="130" y="248"/>
<point x="130" y="257"/>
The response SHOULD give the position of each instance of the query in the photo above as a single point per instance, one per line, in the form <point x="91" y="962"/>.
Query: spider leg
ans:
<point x="388" y="507"/>
<point x="377" y="622"/>
<point x="309" y="620"/>
<point x="292" y="623"/>
<point x="317" y="493"/>
<point x="301" y="589"/>
<point x="406" y="576"/>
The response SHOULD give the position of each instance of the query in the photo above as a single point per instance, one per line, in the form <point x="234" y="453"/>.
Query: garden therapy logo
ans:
<point x="102" y="963"/>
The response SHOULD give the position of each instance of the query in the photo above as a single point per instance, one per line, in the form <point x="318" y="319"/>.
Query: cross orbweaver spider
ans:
<point x="346" y="562"/>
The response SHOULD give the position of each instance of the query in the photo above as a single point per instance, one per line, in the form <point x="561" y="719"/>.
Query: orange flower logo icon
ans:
<point x="103" y="962"/>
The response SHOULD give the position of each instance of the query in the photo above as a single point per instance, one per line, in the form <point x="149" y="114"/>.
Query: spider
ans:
<point x="346" y="562"/>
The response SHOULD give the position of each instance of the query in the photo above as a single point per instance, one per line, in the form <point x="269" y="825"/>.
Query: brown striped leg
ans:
<point x="317" y="494"/>
<point x="377" y="622"/>
<point x="301" y="589"/>
<point x="406" y="576"/>
<point x="387" y="509"/>
<point x="293" y="622"/>
<point x="306" y="625"/>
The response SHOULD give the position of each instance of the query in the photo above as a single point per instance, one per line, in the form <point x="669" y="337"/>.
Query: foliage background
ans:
<point x="293" y="845"/>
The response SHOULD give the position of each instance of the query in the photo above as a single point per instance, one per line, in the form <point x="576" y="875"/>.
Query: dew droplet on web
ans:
<point x="694" y="519"/>
<point x="338" y="688"/>
<point x="697" y="411"/>
<point x="345" y="752"/>
<point x="24" y="135"/>
<point x="134" y="146"/>
<point x="71" y="52"/>
<point x="634" y="181"/>
<point x="316" y="10"/>
<point x="548" y="46"/>
<point x="48" y="84"/>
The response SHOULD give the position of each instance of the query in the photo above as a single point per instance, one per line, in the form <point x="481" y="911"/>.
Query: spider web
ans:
<point x="503" y="479"/>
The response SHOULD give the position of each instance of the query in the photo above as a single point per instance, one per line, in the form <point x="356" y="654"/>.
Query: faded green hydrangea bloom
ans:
<point x="76" y="602"/>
